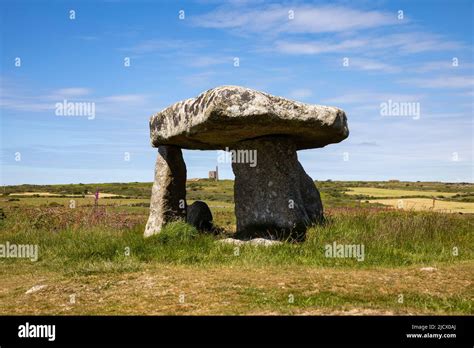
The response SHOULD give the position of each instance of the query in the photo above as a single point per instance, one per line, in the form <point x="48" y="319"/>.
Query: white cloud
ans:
<point x="415" y="42"/>
<point x="74" y="91"/>
<point x="88" y="37"/>
<point x="307" y="19"/>
<point x="441" y="65"/>
<point x="161" y="45"/>
<point x="318" y="47"/>
<point x="300" y="93"/>
<point x="372" y="98"/>
<point x="25" y="100"/>
<point x="25" y="104"/>
<point x="201" y="79"/>
<point x="400" y="43"/>
<point x="70" y="92"/>
<point x="206" y="61"/>
<point x="371" y="65"/>
<point x="147" y="46"/>
<point x="441" y="82"/>
<point x="125" y="98"/>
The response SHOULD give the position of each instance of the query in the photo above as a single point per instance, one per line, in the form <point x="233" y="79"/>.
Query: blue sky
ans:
<point x="408" y="60"/>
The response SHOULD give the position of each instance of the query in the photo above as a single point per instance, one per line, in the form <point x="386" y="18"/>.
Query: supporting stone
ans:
<point x="200" y="216"/>
<point x="168" y="197"/>
<point x="274" y="197"/>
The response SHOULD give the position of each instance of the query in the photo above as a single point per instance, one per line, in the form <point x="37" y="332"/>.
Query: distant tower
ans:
<point x="214" y="174"/>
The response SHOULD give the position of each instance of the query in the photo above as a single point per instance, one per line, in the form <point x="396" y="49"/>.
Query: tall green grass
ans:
<point x="85" y="243"/>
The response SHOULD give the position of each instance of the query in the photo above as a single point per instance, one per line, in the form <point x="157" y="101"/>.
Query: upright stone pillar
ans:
<point x="274" y="197"/>
<point x="168" y="197"/>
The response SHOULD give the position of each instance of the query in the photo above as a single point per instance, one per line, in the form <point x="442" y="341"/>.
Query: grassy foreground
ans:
<point x="95" y="261"/>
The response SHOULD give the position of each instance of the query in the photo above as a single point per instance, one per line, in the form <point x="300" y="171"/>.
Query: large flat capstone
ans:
<point x="224" y="116"/>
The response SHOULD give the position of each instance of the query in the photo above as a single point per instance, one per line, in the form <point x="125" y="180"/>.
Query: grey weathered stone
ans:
<point x="199" y="215"/>
<point x="254" y="242"/>
<point x="226" y="115"/>
<point x="36" y="288"/>
<point x="231" y="241"/>
<point x="428" y="269"/>
<point x="310" y="196"/>
<point x="275" y="198"/>
<point x="168" y="197"/>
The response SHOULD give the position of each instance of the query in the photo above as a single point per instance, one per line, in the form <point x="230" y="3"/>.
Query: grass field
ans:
<point x="94" y="260"/>
<point x="389" y="193"/>
<point x="427" y="204"/>
<point x="52" y="201"/>
<point x="447" y="202"/>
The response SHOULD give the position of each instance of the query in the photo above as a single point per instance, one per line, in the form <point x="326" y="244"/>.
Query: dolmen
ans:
<point x="274" y="197"/>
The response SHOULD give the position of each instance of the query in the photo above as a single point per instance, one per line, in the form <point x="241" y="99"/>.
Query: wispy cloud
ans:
<point x="441" y="82"/>
<point x="415" y="42"/>
<point x="373" y="98"/>
<point x="371" y="65"/>
<point x="167" y="46"/>
<point x="88" y="37"/>
<point x="125" y="98"/>
<point x="317" y="47"/>
<point x="206" y="61"/>
<point x="71" y="92"/>
<point x="147" y="46"/>
<point x="201" y="79"/>
<point x="400" y="43"/>
<point x="25" y="100"/>
<point x="345" y="24"/>
<point x="300" y="93"/>
<point x="294" y="19"/>
<point x="445" y="65"/>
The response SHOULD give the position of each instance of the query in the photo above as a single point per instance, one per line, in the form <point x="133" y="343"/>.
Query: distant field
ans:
<point x="66" y="201"/>
<point x="49" y="194"/>
<point x="427" y="204"/>
<point x="425" y="255"/>
<point x="382" y="193"/>
<point x="413" y="199"/>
